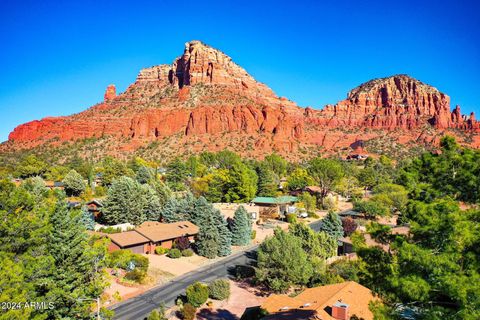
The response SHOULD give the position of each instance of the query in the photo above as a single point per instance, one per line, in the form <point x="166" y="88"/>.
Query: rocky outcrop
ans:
<point x="204" y="93"/>
<point x="110" y="93"/>
<point x="389" y="103"/>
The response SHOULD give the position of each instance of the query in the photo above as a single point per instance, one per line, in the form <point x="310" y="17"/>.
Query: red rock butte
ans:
<point x="204" y="101"/>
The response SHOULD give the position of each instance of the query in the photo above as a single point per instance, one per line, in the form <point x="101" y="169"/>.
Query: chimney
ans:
<point x="340" y="311"/>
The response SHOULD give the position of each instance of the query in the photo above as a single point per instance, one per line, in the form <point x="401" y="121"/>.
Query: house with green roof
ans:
<point x="274" y="207"/>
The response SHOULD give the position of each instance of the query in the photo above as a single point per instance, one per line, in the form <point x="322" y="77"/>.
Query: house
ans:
<point x="130" y="240"/>
<point x="54" y="184"/>
<point x="274" y="207"/>
<point x="151" y="234"/>
<point x="228" y="210"/>
<point x="336" y="301"/>
<point x="94" y="206"/>
<point x="164" y="234"/>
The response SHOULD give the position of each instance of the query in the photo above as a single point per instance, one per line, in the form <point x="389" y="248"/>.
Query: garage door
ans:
<point x="136" y="249"/>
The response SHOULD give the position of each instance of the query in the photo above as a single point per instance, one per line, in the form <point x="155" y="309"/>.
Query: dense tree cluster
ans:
<point x="46" y="255"/>
<point x="214" y="237"/>
<point x="293" y="258"/>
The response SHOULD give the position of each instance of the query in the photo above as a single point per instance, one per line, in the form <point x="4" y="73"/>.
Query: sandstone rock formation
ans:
<point x="203" y="93"/>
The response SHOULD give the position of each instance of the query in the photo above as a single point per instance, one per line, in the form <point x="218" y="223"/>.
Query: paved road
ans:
<point x="140" y="306"/>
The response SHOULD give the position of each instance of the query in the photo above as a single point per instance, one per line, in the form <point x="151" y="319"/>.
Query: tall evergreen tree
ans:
<point x="74" y="277"/>
<point x="266" y="181"/>
<point x="208" y="237"/>
<point x="144" y="174"/>
<point x="129" y="201"/>
<point x="241" y="227"/>
<point x="87" y="219"/>
<point x="225" y="236"/>
<point x="153" y="206"/>
<point x="332" y="225"/>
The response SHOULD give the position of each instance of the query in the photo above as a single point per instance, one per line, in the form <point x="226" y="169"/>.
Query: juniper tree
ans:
<point x="74" y="183"/>
<point x="316" y="244"/>
<point x="241" y="227"/>
<point x="282" y="262"/>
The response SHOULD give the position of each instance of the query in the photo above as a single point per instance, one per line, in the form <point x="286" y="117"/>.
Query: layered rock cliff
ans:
<point x="203" y="93"/>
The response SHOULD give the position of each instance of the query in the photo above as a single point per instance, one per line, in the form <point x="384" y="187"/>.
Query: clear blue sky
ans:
<point x="56" y="58"/>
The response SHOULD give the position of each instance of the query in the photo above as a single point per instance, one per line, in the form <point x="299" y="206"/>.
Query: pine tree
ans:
<point x="170" y="210"/>
<point x="153" y="207"/>
<point x="144" y="174"/>
<point x="124" y="202"/>
<point x="208" y="237"/>
<point x="241" y="227"/>
<point x="75" y="275"/>
<point x="201" y="209"/>
<point x="87" y="219"/>
<point x="332" y="225"/>
<point x="266" y="181"/>
<point x="225" y="236"/>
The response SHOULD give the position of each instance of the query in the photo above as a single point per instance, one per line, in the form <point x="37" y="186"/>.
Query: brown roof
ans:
<point x="320" y="299"/>
<point x="127" y="238"/>
<point x="157" y="231"/>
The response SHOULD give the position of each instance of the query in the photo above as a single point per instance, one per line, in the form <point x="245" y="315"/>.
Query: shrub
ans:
<point x="243" y="272"/>
<point x="219" y="289"/>
<point x="181" y="243"/>
<point x="124" y="259"/>
<point x="136" y="275"/>
<point x="160" y="250"/>
<point x="197" y="294"/>
<point x="349" y="226"/>
<point x="329" y="203"/>
<point x="188" y="312"/>
<point x="291" y="218"/>
<point x="254" y="234"/>
<point x="187" y="252"/>
<point x="174" y="254"/>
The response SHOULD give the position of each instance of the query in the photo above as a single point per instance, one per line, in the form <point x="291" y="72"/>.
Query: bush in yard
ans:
<point x="160" y="250"/>
<point x="187" y="252"/>
<point x="197" y="294"/>
<point x="254" y="234"/>
<point x="136" y="275"/>
<point x="174" y="254"/>
<point x="124" y="258"/>
<point x="291" y="218"/>
<point x="181" y="243"/>
<point x="219" y="289"/>
<point x="349" y="226"/>
<point x="188" y="312"/>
